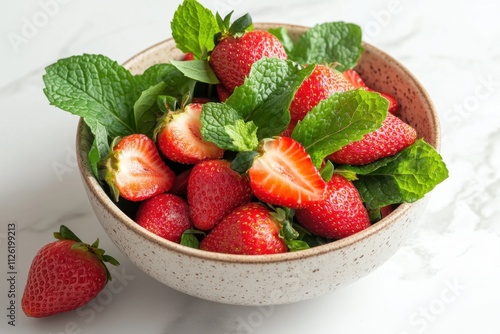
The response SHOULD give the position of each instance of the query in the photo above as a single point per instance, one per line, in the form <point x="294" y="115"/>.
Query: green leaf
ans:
<point x="243" y="135"/>
<point x="332" y="42"/>
<point x="404" y="177"/>
<point x="176" y="83"/>
<point x="93" y="87"/>
<point x="339" y="120"/>
<point x="243" y="161"/>
<point x="193" y="28"/>
<point x="214" y="119"/>
<point x="99" y="150"/>
<point x="327" y="171"/>
<point x="146" y="110"/>
<point x="198" y="70"/>
<point x="167" y="103"/>
<point x="296" y="245"/>
<point x="240" y="25"/>
<point x="267" y="93"/>
<point x="282" y="35"/>
<point x="189" y="239"/>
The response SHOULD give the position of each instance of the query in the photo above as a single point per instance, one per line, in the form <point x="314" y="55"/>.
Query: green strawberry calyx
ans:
<point x="236" y="29"/>
<point x="65" y="233"/>
<point x="288" y="230"/>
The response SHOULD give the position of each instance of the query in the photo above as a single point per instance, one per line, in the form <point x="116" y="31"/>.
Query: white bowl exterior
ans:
<point x="275" y="279"/>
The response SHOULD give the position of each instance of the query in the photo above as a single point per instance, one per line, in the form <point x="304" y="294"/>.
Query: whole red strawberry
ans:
<point x="339" y="215"/>
<point x="135" y="170"/>
<point x="213" y="190"/>
<point x="179" y="138"/>
<point x="250" y="230"/>
<point x="166" y="215"/>
<point x="355" y="79"/>
<point x="64" y="275"/>
<point x="283" y="174"/>
<point x="393" y="136"/>
<point x="322" y="82"/>
<point x="237" y="49"/>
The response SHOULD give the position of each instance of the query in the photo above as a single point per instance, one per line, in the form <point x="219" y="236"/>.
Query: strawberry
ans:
<point x="283" y="174"/>
<point x="250" y="230"/>
<point x="340" y="214"/>
<point x="166" y="215"/>
<point x="222" y="93"/>
<point x="355" y="79"/>
<point x="179" y="138"/>
<point x="64" y="275"/>
<point x="237" y="49"/>
<point x="179" y="187"/>
<point x="393" y="136"/>
<point x="188" y="56"/>
<point x="387" y="210"/>
<point x="213" y="190"/>
<point x="322" y="82"/>
<point x="135" y="170"/>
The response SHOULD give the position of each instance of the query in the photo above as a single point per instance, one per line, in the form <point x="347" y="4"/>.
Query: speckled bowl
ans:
<point x="269" y="279"/>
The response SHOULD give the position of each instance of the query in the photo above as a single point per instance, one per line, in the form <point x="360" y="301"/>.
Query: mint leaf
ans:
<point x="193" y="28"/>
<point x="93" y="87"/>
<point x="404" y="177"/>
<point x="267" y="93"/>
<point x="146" y="110"/>
<point x="282" y="34"/>
<point x="243" y="135"/>
<point x="99" y="150"/>
<point x="189" y="239"/>
<point x="198" y="70"/>
<point x="339" y="120"/>
<point x="243" y="161"/>
<point x="261" y="103"/>
<point x="158" y="80"/>
<point x="332" y="42"/>
<point x="220" y="124"/>
<point x="176" y="83"/>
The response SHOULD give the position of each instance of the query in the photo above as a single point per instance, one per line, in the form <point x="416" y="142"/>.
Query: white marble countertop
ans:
<point x="445" y="278"/>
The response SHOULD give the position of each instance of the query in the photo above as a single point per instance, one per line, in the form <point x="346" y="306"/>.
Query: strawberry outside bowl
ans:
<point x="269" y="279"/>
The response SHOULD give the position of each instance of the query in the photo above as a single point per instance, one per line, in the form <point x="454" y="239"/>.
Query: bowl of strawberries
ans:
<point x="253" y="164"/>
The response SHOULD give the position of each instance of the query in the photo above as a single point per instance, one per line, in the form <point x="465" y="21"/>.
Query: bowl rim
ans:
<point x="105" y="200"/>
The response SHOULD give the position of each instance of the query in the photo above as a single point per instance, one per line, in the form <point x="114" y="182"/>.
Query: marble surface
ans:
<point x="443" y="280"/>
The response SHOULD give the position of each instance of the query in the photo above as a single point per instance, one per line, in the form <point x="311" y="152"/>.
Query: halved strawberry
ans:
<point x="179" y="138"/>
<point x="393" y="136"/>
<point x="213" y="190"/>
<point x="339" y="215"/>
<point x="135" y="170"/>
<point x="283" y="174"/>
<point x="355" y="79"/>
<point x="250" y="229"/>
<point x="322" y="82"/>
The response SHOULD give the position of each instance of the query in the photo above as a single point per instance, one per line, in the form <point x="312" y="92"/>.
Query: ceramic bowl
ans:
<point x="269" y="279"/>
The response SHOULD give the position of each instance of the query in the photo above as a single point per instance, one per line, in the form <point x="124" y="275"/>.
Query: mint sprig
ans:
<point x="257" y="109"/>
<point x="93" y="87"/>
<point x="339" y="120"/>
<point x="404" y="177"/>
<point x="330" y="42"/>
<point x="111" y="101"/>
<point x="193" y="28"/>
